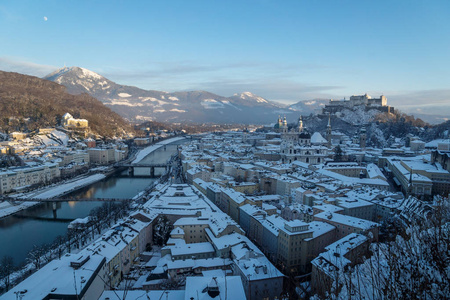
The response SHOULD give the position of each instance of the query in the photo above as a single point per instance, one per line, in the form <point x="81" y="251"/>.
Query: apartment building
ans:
<point x="16" y="178"/>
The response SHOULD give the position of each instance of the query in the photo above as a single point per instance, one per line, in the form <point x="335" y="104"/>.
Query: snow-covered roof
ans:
<point x="335" y="257"/>
<point x="58" y="277"/>
<point x="229" y="288"/>
<point x="346" y="220"/>
<point x="317" y="138"/>
<point x="181" y="248"/>
<point x="199" y="263"/>
<point x="143" y="294"/>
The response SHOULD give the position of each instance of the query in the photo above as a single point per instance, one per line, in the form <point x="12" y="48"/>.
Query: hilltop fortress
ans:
<point x="358" y="101"/>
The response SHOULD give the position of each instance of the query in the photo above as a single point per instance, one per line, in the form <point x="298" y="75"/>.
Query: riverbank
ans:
<point x="146" y="151"/>
<point x="40" y="226"/>
<point x="7" y="209"/>
<point x="61" y="189"/>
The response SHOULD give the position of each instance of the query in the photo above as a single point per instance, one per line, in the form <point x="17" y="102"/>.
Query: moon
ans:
<point x="45" y="18"/>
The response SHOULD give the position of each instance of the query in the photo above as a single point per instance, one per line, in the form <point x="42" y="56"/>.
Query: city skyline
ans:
<point x="242" y="149"/>
<point x="284" y="52"/>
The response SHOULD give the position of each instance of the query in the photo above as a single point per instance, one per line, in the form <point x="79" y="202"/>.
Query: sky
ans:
<point x="284" y="51"/>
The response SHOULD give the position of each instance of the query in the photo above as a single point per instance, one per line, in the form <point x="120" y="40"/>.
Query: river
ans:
<point x="38" y="225"/>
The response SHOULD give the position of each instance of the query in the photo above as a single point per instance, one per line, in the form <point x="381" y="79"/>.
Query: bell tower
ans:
<point x="362" y="138"/>
<point x="329" y="131"/>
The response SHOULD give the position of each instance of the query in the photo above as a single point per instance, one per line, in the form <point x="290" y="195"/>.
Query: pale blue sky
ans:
<point x="281" y="50"/>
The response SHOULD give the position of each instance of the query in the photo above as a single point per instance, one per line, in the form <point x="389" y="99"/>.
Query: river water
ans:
<point x="39" y="225"/>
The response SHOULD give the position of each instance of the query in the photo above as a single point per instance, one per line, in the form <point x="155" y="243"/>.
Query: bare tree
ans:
<point x="161" y="230"/>
<point x="35" y="256"/>
<point x="6" y="268"/>
<point x="59" y="245"/>
<point x="413" y="264"/>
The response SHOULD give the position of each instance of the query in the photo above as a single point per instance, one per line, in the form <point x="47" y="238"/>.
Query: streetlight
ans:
<point x="20" y="294"/>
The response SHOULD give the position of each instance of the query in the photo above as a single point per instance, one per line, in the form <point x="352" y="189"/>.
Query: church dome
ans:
<point x="304" y="135"/>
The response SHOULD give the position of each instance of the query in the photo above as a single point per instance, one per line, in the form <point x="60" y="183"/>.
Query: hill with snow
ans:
<point x="42" y="104"/>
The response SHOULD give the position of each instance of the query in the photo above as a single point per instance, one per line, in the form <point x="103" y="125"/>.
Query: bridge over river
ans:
<point x="61" y="199"/>
<point x="41" y="224"/>
<point x="144" y="170"/>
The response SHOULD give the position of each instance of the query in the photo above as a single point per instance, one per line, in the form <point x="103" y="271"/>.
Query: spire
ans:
<point x="300" y="124"/>
<point x="279" y="123"/>
<point x="329" y="131"/>
<point x="285" y="126"/>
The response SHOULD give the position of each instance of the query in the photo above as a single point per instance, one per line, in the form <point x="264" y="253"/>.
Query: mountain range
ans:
<point x="138" y="105"/>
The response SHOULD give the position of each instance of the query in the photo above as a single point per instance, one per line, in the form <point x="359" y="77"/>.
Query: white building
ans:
<point x="69" y="121"/>
<point x="19" y="177"/>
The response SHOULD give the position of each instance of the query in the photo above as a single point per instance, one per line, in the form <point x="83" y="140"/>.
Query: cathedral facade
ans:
<point x="296" y="145"/>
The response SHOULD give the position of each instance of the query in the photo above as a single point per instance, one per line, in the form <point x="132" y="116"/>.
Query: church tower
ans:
<point x="300" y="125"/>
<point x="329" y="131"/>
<point x="285" y="126"/>
<point x="362" y="138"/>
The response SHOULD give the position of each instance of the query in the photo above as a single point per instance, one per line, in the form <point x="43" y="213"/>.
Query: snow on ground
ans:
<point x="148" y="99"/>
<point x="145" y="118"/>
<point x="178" y="110"/>
<point x="173" y="98"/>
<point x="7" y="208"/>
<point x="51" y="138"/>
<point x="246" y="95"/>
<point x="89" y="73"/>
<point x="228" y="103"/>
<point x="146" y="151"/>
<point x="119" y="102"/>
<point x="358" y="116"/>
<point x="124" y="95"/>
<point x="211" y="104"/>
<point x="46" y="140"/>
<point x="61" y="135"/>
<point x="69" y="186"/>
<point x="160" y="102"/>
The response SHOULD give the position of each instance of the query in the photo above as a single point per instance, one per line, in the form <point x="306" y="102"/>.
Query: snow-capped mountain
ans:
<point x="137" y="104"/>
<point x="249" y="99"/>
<point x="79" y="80"/>
<point x="307" y="107"/>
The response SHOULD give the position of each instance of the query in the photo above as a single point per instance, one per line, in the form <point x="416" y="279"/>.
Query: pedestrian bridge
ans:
<point x="143" y="170"/>
<point x="61" y="199"/>
<point x="141" y="165"/>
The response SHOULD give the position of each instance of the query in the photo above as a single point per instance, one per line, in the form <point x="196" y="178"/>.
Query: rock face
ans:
<point x="29" y="103"/>
<point x="139" y="105"/>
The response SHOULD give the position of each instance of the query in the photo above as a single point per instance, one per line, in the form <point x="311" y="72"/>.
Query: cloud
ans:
<point x="435" y="101"/>
<point x="21" y="66"/>
<point x="280" y="82"/>
<point x="45" y="18"/>
<point x="284" y="90"/>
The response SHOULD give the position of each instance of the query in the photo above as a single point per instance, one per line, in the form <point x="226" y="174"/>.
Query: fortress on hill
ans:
<point x="357" y="101"/>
